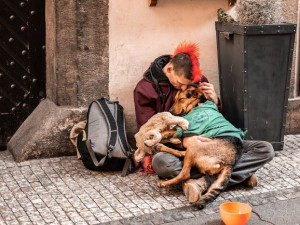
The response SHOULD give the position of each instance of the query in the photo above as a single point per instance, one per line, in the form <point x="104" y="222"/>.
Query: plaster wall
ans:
<point x="139" y="33"/>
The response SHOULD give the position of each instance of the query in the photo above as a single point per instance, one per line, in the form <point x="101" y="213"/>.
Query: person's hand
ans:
<point x="188" y="141"/>
<point x="209" y="92"/>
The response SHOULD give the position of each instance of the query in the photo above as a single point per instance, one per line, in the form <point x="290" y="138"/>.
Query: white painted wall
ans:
<point x="139" y="33"/>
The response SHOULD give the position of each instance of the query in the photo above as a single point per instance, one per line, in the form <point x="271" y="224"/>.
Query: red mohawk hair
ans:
<point x="193" y="51"/>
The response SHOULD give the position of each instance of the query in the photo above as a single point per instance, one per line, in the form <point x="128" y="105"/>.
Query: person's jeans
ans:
<point x="256" y="154"/>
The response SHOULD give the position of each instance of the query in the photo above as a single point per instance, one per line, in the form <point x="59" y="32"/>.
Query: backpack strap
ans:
<point x="126" y="167"/>
<point x="112" y="126"/>
<point x="123" y="138"/>
<point x="93" y="156"/>
<point x="121" y="130"/>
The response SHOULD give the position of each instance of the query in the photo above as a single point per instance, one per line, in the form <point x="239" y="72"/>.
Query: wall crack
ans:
<point x="262" y="218"/>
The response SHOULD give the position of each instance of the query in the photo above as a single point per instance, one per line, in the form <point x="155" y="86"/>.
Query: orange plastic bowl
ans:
<point x="235" y="213"/>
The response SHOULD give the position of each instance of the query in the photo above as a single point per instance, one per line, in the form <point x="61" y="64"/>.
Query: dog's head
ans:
<point x="186" y="100"/>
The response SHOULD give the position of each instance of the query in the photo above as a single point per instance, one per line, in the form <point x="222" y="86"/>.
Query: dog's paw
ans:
<point x="175" y="140"/>
<point x="185" y="126"/>
<point x="161" y="184"/>
<point x="199" y="205"/>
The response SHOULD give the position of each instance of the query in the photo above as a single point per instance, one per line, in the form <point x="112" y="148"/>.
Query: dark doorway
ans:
<point x="22" y="62"/>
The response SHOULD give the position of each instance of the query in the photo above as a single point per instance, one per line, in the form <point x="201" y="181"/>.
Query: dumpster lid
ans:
<point x="282" y="28"/>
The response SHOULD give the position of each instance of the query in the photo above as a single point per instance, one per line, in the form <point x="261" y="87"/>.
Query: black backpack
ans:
<point x="103" y="143"/>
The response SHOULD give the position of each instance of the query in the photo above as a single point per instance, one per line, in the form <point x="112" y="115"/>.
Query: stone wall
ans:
<point x="290" y="13"/>
<point x="77" y="51"/>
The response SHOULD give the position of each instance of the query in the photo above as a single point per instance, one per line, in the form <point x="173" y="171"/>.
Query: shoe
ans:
<point x="251" y="181"/>
<point x="191" y="190"/>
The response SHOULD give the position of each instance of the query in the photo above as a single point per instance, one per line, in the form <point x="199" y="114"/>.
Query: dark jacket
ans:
<point x="146" y="100"/>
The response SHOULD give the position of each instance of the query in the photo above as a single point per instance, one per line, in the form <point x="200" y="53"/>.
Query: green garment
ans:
<point x="206" y="119"/>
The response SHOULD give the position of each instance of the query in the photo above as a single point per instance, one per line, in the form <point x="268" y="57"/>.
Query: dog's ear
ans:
<point x="177" y="95"/>
<point x="197" y="93"/>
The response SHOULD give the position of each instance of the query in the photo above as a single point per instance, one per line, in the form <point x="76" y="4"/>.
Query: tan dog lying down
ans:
<point x="157" y="130"/>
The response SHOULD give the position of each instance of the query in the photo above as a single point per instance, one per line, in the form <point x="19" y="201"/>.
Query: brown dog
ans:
<point x="216" y="157"/>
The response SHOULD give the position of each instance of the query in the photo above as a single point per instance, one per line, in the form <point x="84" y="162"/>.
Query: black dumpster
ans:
<point x="254" y="71"/>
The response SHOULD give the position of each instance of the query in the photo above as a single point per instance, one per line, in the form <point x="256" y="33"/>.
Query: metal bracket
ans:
<point x="227" y="35"/>
<point x="152" y="2"/>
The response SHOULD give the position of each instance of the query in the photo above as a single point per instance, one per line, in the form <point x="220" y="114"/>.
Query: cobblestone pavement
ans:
<point x="61" y="191"/>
